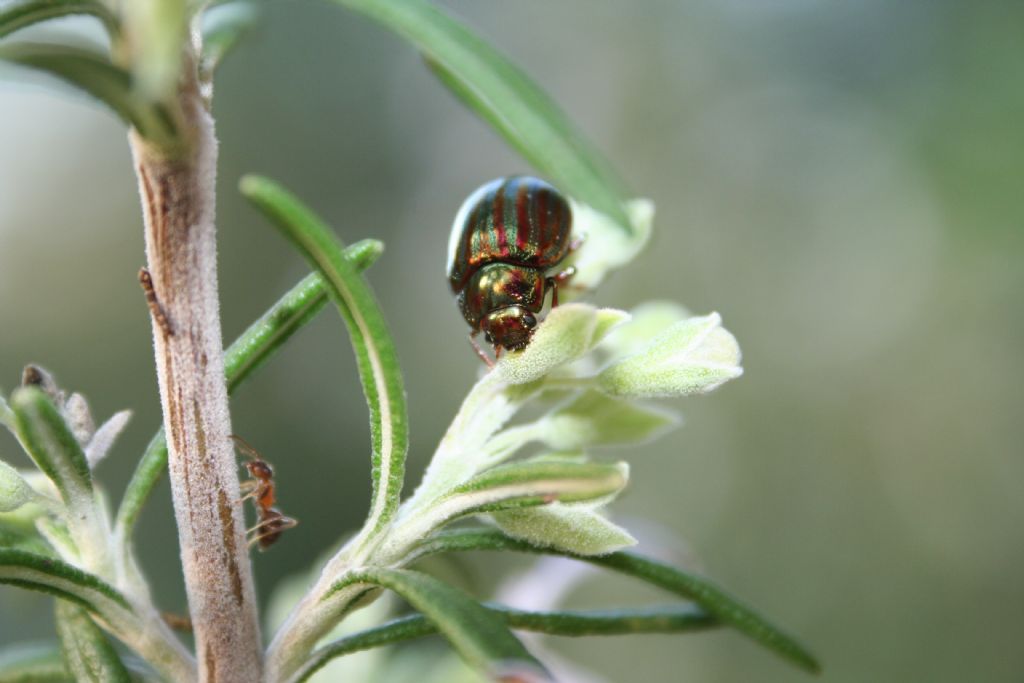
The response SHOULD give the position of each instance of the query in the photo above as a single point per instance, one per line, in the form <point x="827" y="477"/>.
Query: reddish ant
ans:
<point x="272" y="522"/>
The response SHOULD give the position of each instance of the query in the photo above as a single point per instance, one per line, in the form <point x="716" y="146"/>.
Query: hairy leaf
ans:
<point x="88" y="655"/>
<point x="692" y="356"/>
<point x="51" y="444"/>
<point x="596" y="419"/>
<point x="567" y="333"/>
<point x="224" y="26"/>
<point x="38" y="572"/>
<point x="576" y="529"/>
<point x="92" y="72"/>
<point x="375" y="351"/>
<point x="103" y="439"/>
<point x="19" y="14"/>
<point x="518" y="485"/>
<point x="14" y="490"/>
<point x="480" y="637"/>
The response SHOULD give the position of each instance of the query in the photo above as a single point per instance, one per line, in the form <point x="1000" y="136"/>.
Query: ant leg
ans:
<point x="276" y="526"/>
<point x="277" y="521"/>
<point x="249" y="488"/>
<point x="480" y="352"/>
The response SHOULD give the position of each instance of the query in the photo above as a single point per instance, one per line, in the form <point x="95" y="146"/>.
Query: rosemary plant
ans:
<point x="591" y="369"/>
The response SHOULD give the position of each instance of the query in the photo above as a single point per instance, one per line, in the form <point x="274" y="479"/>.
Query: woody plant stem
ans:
<point x="176" y="185"/>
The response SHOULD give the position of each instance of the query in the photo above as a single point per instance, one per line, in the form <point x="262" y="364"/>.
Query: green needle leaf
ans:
<point x="480" y="637"/>
<point x="224" y="26"/>
<point x="20" y="14"/>
<point x="710" y="597"/>
<point x="374" y="348"/>
<point x="92" y="72"/>
<point x="6" y="416"/>
<point x="497" y="90"/>
<point x="51" y="444"/>
<point x="33" y="663"/>
<point x="158" y="29"/>
<point x="564" y="623"/>
<point x="250" y="351"/>
<point x="49" y="575"/>
<point x="88" y="654"/>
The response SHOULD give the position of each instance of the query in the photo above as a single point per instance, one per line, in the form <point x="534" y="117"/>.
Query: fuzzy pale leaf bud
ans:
<point x="567" y="333"/>
<point x="605" y="245"/>
<point x="14" y="490"/>
<point x="692" y="356"/>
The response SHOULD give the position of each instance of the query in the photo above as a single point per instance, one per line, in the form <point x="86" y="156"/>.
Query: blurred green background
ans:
<point x="842" y="181"/>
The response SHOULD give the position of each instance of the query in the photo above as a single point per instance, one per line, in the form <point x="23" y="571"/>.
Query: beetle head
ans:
<point x="510" y="327"/>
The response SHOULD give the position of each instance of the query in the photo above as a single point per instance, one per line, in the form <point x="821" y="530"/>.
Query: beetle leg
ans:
<point x="480" y="352"/>
<point x="560" y="279"/>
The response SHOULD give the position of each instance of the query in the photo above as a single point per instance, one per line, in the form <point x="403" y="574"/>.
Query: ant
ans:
<point x="272" y="522"/>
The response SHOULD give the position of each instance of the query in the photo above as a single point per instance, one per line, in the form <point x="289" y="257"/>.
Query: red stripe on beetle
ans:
<point x="499" y="222"/>
<point x="524" y="224"/>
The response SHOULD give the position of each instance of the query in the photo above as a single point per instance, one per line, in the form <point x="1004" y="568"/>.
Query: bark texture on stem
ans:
<point x="178" y="200"/>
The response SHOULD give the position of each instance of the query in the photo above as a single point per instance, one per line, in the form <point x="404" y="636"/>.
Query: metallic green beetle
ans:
<point x="506" y="237"/>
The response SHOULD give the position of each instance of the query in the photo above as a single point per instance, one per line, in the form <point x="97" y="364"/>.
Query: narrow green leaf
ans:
<point x="33" y="663"/>
<point x="158" y="29"/>
<point x="15" y="539"/>
<point x="224" y="26"/>
<point x="481" y="638"/>
<point x="374" y="348"/>
<point x="250" y="351"/>
<point x="50" y="575"/>
<point x="49" y="441"/>
<point x="6" y="416"/>
<point x="710" y="597"/>
<point x="20" y="14"/>
<point x="286" y="317"/>
<point x="488" y="83"/>
<point x="92" y="72"/>
<point x="564" y="623"/>
<point x="88" y="655"/>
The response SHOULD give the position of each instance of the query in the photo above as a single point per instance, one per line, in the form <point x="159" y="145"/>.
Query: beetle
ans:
<point x="506" y="237"/>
